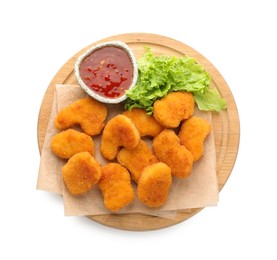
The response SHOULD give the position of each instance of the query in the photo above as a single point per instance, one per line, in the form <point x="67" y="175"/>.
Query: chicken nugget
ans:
<point x="168" y="149"/>
<point x="87" y="112"/>
<point x="192" y="135"/>
<point x="146" y="125"/>
<point x="154" y="184"/>
<point x="80" y="173"/>
<point x="135" y="160"/>
<point x="67" y="143"/>
<point x="115" y="185"/>
<point x="119" y="131"/>
<point x="173" y="108"/>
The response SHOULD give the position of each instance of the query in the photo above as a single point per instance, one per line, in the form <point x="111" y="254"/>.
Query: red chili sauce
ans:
<point x="107" y="71"/>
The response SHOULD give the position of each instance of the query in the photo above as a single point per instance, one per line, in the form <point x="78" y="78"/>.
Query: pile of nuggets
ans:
<point x="177" y="138"/>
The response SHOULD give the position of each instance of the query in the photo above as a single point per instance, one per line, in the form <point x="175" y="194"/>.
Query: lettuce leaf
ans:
<point x="159" y="75"/>
<point x="209" y="100"/>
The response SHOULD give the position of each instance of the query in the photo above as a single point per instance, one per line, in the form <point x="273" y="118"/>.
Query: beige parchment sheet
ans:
<point x="200" y="189"/>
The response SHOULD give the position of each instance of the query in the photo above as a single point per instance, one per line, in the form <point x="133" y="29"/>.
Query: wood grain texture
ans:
<point x="225" y="124"/>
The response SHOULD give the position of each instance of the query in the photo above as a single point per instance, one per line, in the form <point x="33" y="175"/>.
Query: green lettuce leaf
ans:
<point x="159" y="75"/>
<point x="210" y="100"/>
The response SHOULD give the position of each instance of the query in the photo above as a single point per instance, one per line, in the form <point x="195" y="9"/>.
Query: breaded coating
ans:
<point x="87" y="112"/>
<point x="146" y="125"/>
<point x="135" y="160"/>
<point x="119" y="131"/>
<point x="192" y="135"/>
<point x="173" y="108"/>
<point x="115" y="185"/>
<point x="67" y="143"/>
<point x="154" y="184"/>
<point x="80" y="173"/>
<point x="168" y="149"/>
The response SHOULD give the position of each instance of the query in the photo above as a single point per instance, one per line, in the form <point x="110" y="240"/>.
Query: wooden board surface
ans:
<point x="225" y="124"/>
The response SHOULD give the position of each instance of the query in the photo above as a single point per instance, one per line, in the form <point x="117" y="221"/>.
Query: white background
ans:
<point x="238" y="37"/>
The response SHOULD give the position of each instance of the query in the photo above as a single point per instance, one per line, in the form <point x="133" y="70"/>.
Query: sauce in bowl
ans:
<point x="106" y="71"/>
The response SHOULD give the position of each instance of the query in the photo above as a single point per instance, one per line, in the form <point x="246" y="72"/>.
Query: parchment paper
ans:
<point x="200" y="189"/>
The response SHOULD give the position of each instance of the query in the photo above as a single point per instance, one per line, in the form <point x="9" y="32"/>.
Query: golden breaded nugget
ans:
<point x="168" y="149"/>
<point x="192" y="135"/>
<point x="119" y="131"/>
<point x="146" y="125"/>
<point x="115" y="185"/>
<point x="67" y="143"/>
<point x="135" y="160"/>
<point x="154" y="184"/>
<point x="173" y="108"/>
<point x="87" y="112"/>
<point x="80" y="173"/>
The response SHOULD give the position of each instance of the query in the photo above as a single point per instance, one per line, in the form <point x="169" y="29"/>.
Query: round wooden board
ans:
<point x="225" y="124"/>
